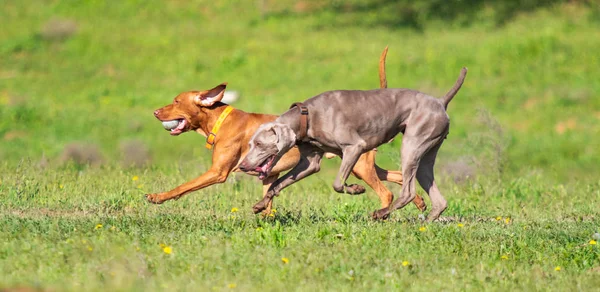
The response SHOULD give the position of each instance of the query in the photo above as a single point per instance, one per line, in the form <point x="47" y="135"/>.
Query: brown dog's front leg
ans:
<point x="223" y="163"/>
<point x="310" y="162"/>
<point x="210" y="177"/>
<point x="267" y="182"/>
<point x="396" y="177"/>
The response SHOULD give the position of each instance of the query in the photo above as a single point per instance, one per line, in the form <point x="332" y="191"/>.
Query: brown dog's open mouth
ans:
<point x="176" y="127"/>
<point x="265" y="168"/>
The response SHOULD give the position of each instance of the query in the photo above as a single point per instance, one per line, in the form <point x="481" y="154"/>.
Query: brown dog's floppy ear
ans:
<point x="209" y="97"/>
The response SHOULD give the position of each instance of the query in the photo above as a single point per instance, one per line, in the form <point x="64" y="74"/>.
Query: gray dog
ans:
<point x="349" y="123"/>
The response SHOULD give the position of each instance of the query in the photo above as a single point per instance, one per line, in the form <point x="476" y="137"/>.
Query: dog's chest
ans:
<point x="322" y="146"/>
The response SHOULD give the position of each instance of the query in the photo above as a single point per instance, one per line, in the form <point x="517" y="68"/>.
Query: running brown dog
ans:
<point x="200" y="110"/>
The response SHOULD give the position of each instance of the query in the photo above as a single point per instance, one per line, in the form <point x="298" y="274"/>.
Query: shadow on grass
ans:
<point x="406" y="13"/>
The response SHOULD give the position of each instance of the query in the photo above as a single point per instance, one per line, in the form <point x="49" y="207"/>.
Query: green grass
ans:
<point x="52" y="238"/>
<point x="525" y="129"/>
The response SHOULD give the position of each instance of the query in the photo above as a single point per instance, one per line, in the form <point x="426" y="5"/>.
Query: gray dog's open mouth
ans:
<point x="176" y="127"/>
<point x="265" y="168"/>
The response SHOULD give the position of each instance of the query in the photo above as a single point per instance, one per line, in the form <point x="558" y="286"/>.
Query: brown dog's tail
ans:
<point x="382" y="78"/>
<point x="448" y="97"/>
<point x="382" y="84"/>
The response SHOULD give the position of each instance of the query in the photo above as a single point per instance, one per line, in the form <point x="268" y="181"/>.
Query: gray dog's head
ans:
<point x="268" y="144"/>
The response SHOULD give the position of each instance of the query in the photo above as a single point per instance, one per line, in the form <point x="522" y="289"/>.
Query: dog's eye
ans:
<point x="176" y="101"/>
<point x="258" y="144"/>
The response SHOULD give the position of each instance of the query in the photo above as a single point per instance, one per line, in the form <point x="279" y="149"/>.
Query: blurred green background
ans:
<point x="79" y="145"/>
<point x="79" y="80"/>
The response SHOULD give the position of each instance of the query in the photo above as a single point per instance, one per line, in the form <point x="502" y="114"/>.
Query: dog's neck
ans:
<point x="211" y="114"/>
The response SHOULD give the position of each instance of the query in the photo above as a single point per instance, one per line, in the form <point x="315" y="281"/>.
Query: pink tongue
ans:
<point x="261" y="168"/>
<point x="264" y="168"/>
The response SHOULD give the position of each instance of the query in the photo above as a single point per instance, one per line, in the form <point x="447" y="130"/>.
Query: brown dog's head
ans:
<point x="189" y="110"/>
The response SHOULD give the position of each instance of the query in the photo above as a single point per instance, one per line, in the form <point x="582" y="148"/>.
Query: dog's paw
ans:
<point x="420" y="204"/>
<point x="355" y="189"/>
<point x="154" y="198"/>
<point x="381" y="214"/>
<point x="260" y="207"/>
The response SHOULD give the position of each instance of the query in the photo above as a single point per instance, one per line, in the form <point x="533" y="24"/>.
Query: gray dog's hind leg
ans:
<point x="310" y="162"/>
<point x="413" y="149"/>
<point x="426" y="180"/>
<point x="349" y="158"/>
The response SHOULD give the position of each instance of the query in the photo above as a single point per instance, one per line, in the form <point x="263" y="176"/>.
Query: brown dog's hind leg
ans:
<point x="396" y="177"/>
<point x="373" y="175"/>
<point x="364" y="169"/>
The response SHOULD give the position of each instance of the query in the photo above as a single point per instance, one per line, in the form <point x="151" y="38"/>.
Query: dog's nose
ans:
<point x="156" y="113"/>
<point x="243" y="166"/>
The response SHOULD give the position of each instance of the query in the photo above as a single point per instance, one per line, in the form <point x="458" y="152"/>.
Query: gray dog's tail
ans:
<point x="448" y="97"/>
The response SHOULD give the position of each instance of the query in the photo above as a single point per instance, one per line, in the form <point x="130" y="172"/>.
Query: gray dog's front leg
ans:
<point x="349" y="158"/>
<point x="310" y="162"/>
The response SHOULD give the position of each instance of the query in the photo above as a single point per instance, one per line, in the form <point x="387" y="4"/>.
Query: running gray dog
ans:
<point x="349" y="123"/>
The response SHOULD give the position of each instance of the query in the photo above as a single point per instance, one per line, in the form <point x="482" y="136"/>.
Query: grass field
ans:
<point x="79" y="148"/>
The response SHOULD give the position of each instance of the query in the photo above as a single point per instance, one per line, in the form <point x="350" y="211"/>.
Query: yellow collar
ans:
<point x="210" y="139"/>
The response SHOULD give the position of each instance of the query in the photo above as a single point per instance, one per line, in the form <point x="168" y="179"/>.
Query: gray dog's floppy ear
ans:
<point x="209" y="97"/>
<point x="286" y="138"/>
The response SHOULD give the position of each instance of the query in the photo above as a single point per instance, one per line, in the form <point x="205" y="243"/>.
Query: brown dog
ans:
<point x="200" y="111"/>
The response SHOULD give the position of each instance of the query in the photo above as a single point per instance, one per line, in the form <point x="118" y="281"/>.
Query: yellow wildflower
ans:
<point x="593" y="242"/>
<point x="285" y="260"/>
<point x="507" y="220"/>
<point x="134" y="178"/>
<point x="557" y="268"/>
<point x="504" y="257"/>
<point x="259" y="228"/>
<point x="167" y="249"/>
<point x="140" y="186"/>
<point x="498" y="218"/>
<point x="274" y="211"/>
<point x="98" y="226"/>
<point x="60" y="186"/>
<point x="460" y="225"/>
<point x="271" y="215"/>
<point x="422" y="228"/>
<point x="234" y="209"/>
<point x="89" y="248"/>
<point x="405" y="264"/>
<point x="231" y="285"/>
